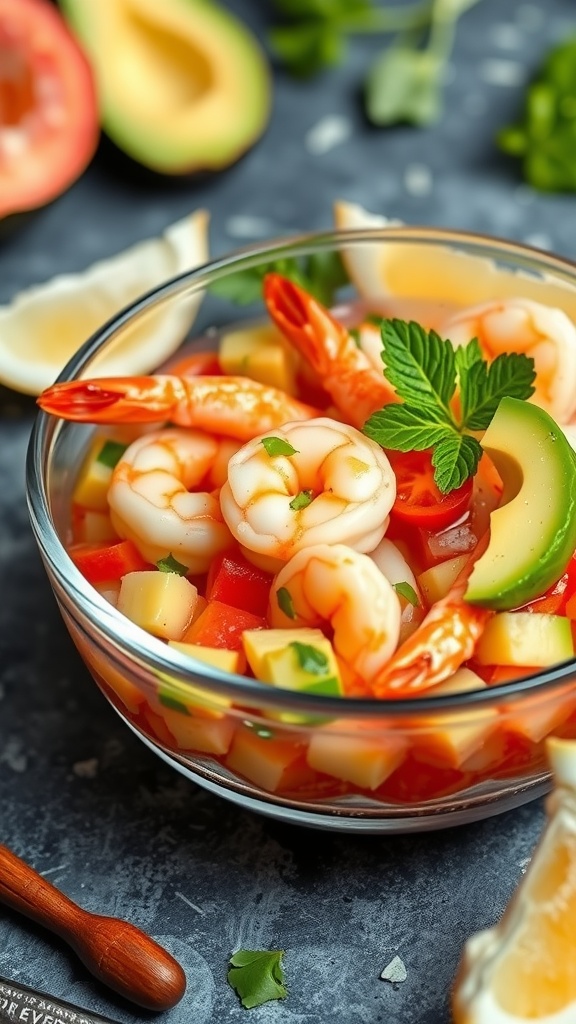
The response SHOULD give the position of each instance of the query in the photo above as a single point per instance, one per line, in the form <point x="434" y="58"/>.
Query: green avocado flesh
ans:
<point x="183" y="85"/>
<point x="533" y="532"/>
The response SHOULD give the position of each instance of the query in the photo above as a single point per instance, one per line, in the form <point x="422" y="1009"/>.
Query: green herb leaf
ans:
<point x="404" y="85"/>
<point x="483" y="385"/>
<point x="407" y="591"/>
<point x="307" y="48"/>
<point x="455" y="458"/>
<point x="171" y="564"/>
<point x="285" y="602"/>
<point x="420" y="366"/>
<point x="320" y="274"/>
<point x="172" y="702"/>
<point x="110" y="453"/>
<point x="405" y="428"/>
<point x="278" y="446"/>
<point x="257" y="976"/>
<point x="302" y="500"/>
<point x="310" y="659"/>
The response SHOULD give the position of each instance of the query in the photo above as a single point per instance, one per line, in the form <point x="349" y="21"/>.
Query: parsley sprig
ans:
<point x="257" y="976"/>
<point x="426" y="371"/>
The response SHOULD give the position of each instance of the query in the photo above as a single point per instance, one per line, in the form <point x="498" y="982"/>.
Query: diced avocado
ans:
<point x="259" y="352"/>
<point x="533" y="532"/>
<point x="91" y="490"/>
<point x="258" y="643"/>
<point x="436" y="581"/>
<point x="183" y="85"/>
<point x="525" y="638"/>
<point x="310" y="668"/>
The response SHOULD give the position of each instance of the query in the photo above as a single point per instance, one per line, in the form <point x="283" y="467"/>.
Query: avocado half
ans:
<point x="183" y="85"/>
<point x="533" y="531"/>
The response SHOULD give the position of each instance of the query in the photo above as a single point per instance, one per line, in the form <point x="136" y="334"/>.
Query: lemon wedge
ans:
<point x="43" y="326"/>
<point x="434" y="273"/>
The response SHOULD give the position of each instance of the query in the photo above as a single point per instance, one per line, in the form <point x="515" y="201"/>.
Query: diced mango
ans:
<point x="218" y="657"/>
<point x="258" y="643"/>
<point x="160" y="602"/>
<point x="91" y="490"/>
<point x="93" y="527"/>
<point x="450" y="739"/>
<point x="364" y="760"/>
<point x="269" y="762"/>
<point x="525" y="638"/>
<point x="260" y="353"/>
<point x="109" y="591"/>
<point x="535" y="718"/>
<point x="207" y="735"/>
<point x="436" y="581"/>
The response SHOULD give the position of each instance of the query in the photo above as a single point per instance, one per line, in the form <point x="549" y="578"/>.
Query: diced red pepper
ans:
<point x="103" y="563"/>
<point x="233" y="580"/>
<point x="222" y="625"/>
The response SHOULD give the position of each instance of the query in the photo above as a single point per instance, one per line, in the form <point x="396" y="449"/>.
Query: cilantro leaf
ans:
<point x="171" y="564"/>
<point x="285" y="602"/>
<point x="277" y="446"/>
<point x="321" y="274"/>
<point x="310" y="658"/>
<point x="257" y="976"/>
<point x="302" y="500"/>
<point x="420" y="365"/>
<point x="405" y="428"/>
<point x="406" y="590"/>
<point x="483" y="385"/>
<point x="110" y="453"/>
<point x="455" y="458"/>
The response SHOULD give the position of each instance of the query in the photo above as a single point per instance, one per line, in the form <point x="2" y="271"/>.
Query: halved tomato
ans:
<point x="419" y="502"/>
<point x="48" y="111"/>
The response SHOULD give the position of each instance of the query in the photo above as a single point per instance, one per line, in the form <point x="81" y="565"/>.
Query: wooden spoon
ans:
<point x="117" y="953"/>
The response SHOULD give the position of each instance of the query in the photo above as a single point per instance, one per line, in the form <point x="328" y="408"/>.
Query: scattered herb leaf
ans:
<point x="425" y="369"/>
<point x="302" y="500"/>
<point x="171" y="564"/>
<point x="277" y="446"/>
<point x="310" y="659"/>
<point x="173" y="703"/>
<point x="110" y="453"/>
<point x="257" y="976"/>
<point x="321" y="274"/>
<point x="406" y="590"/>
<point x="285" y="602"/>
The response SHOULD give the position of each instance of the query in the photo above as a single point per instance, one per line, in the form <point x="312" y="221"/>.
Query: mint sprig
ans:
<point x="425" y="371"/>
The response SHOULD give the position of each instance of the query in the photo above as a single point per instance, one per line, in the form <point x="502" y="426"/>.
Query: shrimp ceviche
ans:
<point x="355" y="507"/>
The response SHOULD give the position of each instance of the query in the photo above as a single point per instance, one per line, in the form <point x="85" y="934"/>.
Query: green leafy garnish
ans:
<point x="278" y="446"/>
<point x="406" y="590"/>
<point x="321" y="274"/>
<point x="285" y="603"/>
<point x="173" y="703"/>
<point x="171" y="564"/>
<point x="310" y="659"/>
<point x="405" y="83"/>
<point x="110" y="453"/>
<point x="544" y="138"/>
<point x="302" y="500"/>
<point x="257" y="976"/>
<point x="425" y="370"/>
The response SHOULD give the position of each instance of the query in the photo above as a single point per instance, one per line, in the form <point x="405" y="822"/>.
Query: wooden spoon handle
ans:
<point x="120" y="955"/>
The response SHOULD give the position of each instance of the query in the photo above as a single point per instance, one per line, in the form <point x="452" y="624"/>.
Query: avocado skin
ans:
<point x="504" y="578"/>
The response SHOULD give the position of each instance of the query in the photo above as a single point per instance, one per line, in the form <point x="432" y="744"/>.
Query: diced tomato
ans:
<point x="234" y="580"/>
<point x="222" y="625"/>
<point x="196" y="364"/>
<point x="419" y="502"/>
<point x="103" y="563"/>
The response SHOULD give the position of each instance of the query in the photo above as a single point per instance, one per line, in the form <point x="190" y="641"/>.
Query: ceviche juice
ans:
<point x="344" y="505"/>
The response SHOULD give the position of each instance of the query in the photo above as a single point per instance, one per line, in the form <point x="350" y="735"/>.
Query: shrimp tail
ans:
<point x="112" y="399"/>
<point x="305" y="322"/>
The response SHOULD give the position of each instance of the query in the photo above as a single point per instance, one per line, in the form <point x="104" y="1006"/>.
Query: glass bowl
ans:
<point x="360" y="765"/>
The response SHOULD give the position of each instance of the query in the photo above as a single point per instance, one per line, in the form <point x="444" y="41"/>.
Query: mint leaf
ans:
<point x="483" y="385"/>
<point x="257" y="976"/>
<point x="302" y="500"/>
<point x="455" y="458"/>
<point x="171" y="564"/>
<point x="405" y="428"/>
<point x="310" y="658"/>
<point x="277" y="446"/>
<point x="285" y="602"/>
<point x="110" y="453"/>
<point x="407" y="591"/>
<point x="421" y="366"/>
<point x="466" y="356"/>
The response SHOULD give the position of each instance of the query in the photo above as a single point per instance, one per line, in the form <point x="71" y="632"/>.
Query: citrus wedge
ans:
<point x="434" y="273"/>
<point x="524" y="969"/>
<point x="43" y="326"/>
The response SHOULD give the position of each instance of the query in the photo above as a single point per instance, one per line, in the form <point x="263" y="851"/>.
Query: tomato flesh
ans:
<point x="48" y="111"/>
<point x="419" y="502"/>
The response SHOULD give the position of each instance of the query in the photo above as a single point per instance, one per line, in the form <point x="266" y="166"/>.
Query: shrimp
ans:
<point x="152" y="505"/>
<point x="333" y="584"/>
<point x="234" y="406"/>
<point x="336" y="486"/>
<point x="444" y="640"/>
<point x="545" y="334"/>
<point x="356" y="387"/>
<point x="392" y="563"/>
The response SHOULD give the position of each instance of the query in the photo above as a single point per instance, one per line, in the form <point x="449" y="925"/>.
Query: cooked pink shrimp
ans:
<point x="235" y="406"/>
<point x="333" y="584"/>
<point x="355" y="386"/>
<point x="152" y="502"/>
<point x="545" y="334"/>
<point x="328" y="483"/>
<point x="444" y="640"/>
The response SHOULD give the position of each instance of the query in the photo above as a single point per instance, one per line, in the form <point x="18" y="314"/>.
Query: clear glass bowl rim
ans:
<point x="150" y="654"/>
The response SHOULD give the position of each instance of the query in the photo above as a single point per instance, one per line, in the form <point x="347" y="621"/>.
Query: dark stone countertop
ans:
<point x="80" y="797"/>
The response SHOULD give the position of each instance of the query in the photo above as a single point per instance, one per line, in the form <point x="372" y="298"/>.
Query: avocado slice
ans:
<point x="533" y="531"/>
<point x="183" y="85"/>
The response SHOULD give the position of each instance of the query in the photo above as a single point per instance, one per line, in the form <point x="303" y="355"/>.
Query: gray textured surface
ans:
<point x="80" y="797"/>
